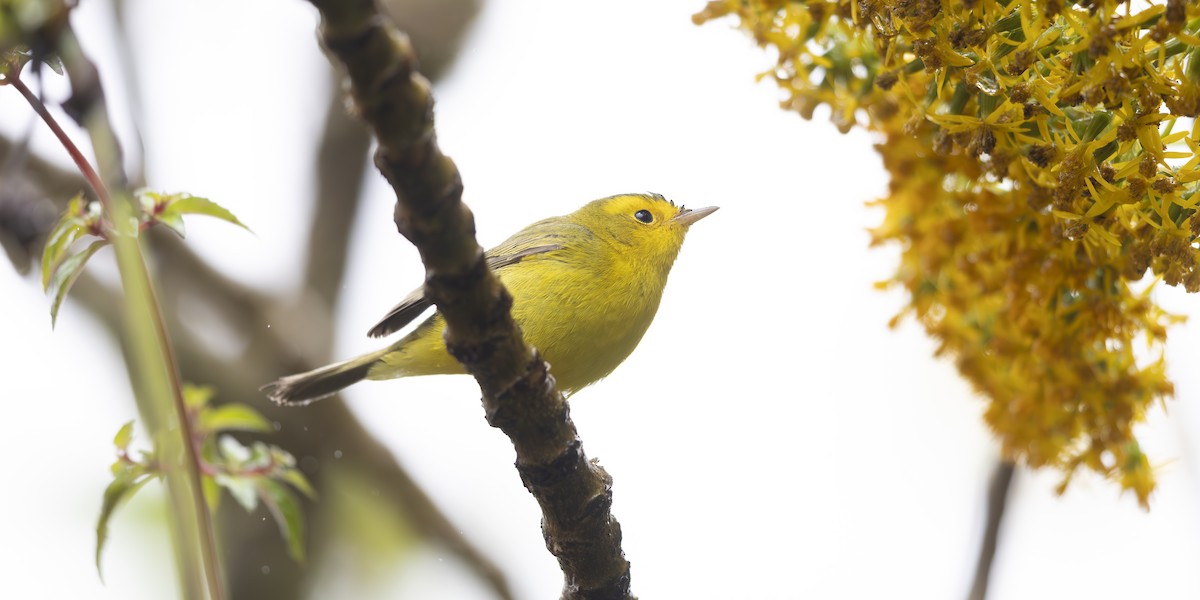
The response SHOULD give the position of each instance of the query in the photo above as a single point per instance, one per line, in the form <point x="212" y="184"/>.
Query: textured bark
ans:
<point x="519" y="395"/>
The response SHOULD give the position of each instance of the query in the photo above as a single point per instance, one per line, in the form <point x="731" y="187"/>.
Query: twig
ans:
<point x="1002" y="477"/>
<point x="519" y="396"/>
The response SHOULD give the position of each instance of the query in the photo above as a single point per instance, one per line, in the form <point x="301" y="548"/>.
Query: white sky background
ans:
<point x="770" y="438"/>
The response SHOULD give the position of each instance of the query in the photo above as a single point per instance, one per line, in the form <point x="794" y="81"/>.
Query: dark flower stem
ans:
<point x="997" y="502"/>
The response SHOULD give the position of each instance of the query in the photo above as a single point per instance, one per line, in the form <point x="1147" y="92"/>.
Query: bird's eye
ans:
<point x="644" y="216"/>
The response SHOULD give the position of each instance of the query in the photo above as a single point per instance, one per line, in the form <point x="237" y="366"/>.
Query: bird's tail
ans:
<point x="305" y="388"/>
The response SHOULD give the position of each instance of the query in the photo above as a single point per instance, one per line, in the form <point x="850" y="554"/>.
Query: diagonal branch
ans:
<point x="519" y="396"/>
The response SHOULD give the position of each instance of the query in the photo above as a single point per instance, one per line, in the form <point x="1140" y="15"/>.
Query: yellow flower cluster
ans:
<point x="1043" y="155"/>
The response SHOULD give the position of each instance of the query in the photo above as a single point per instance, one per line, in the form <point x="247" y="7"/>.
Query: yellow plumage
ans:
<point x="585" y="288"/>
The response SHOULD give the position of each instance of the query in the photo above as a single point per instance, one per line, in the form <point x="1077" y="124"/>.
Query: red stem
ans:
<point x="85" y="167"/>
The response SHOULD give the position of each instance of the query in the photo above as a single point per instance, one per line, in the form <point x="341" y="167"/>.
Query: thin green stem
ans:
<point x="158" y="357"/>
<point x="207" y="537"/>
<point x="136" y="278"/>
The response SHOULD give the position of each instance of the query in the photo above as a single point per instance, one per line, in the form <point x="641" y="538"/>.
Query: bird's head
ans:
<point x="645" y="226"/>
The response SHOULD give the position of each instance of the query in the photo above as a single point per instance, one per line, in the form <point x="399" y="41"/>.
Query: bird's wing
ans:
<point x="538" y="238"/>
<point x="402" y="314"/>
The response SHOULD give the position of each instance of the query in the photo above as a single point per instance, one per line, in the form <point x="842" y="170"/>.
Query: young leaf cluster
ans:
<point x="63" y="261"/>
<point x="23" y="28"/>
<point x="1043" y="156"/>
<point x="252" y="474"/>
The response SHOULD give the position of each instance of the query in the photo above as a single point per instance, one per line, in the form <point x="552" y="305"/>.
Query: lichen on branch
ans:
<point x="1043" y="156"/>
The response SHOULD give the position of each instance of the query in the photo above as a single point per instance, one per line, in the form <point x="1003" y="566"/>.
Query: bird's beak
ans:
<point x="688" y="216"/>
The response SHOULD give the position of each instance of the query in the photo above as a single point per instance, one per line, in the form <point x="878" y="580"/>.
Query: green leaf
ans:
<point x="149" y="200"/>
<point x="183" y="204"/>
<point x="173" y="221"/>
<point x="233" y="454"/>
<point x="208" y="451"/>
<point x="260" y="456"/>
<point x="212" y="492"/>
<point x="285" y="507"/>
<point x="14" y="59"/>
<point x="298" y="481"/>
<point x="66" y="274"/>
<point x="19" y="56"/>
<point x="123" y="487"/>
<point x="197" y="396"/>
<point x="124" y="436"/>
<point x="243" y="489"/>
<point x="285" y="470"/>
<point x="64" y="234"/>
<point x="69" y="227"/>
<point x="282" y="457"/>
<point x="55" y="63"/>
<point x="233" y="417"/>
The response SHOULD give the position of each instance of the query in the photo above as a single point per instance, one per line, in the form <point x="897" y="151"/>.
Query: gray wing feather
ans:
<point x="415" y="303"/>
<point x="402" y="314"/>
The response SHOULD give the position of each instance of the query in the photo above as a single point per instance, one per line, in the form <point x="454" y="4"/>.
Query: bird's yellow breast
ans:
<point x="585" y="288"/>
<point x="584" y="321"/>
<point x="584" y="315"/>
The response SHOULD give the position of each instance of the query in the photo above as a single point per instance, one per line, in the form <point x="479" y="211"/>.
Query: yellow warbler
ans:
<point x="585" y="287"/>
